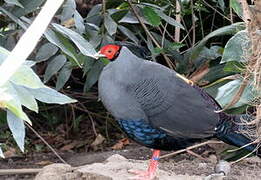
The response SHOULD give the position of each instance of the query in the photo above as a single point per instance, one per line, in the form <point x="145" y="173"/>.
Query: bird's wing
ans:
<point x="172" y="105"/>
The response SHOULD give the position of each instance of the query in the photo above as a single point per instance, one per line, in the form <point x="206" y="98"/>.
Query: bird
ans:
<point x="158" y="108"/>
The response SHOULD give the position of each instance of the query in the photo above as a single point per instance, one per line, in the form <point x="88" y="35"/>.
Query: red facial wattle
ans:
<point x="110" y="51"/>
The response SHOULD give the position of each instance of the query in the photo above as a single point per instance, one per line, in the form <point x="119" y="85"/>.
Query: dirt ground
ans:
<point x="182" y="166"/>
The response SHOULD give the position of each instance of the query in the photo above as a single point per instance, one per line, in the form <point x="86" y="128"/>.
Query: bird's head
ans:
<point x="110" y="51"/>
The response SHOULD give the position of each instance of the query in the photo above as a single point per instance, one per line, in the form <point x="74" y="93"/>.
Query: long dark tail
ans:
<point x="230" y="131"/>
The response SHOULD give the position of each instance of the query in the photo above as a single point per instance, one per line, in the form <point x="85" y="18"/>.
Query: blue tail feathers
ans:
<point x="229" y="130"/>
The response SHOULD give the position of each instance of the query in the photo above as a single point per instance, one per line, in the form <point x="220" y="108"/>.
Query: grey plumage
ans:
<point x="132" y="88"/>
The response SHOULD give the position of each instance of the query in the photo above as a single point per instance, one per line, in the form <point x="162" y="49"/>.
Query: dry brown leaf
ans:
<point x="199" y="73"/>
<point x="69" y="146"/>
<point x="120" y="145"/>
<point x="44" y="163"/>
<point x="98" y="140"/>
<point x="11" y="152"/>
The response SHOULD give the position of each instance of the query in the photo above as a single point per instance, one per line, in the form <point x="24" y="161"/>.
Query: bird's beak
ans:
<point x="98" y="55"/>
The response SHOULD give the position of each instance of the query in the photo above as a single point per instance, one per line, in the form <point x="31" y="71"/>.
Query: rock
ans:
<point x="223" y="167"/>
<point x="57" y="172"/>
<point x="115" y="167"/>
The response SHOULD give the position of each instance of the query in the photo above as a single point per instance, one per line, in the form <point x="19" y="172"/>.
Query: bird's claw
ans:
<point x="142" y="175"/>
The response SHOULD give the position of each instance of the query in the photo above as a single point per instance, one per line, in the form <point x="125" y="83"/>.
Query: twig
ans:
<point x="191" y="147"/>
<point x="216" y="11"/>
<point x="46" y="143"/>
<point x="19" y="171"/>
<point x="178" y="19"/>
<point x="170" y="64"/>
<point x="193" y="25"/>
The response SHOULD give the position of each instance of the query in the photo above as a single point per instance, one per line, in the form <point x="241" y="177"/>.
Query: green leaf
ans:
<point x="151" y="16"/>
<point x="105" y="61"/>
<point x="25" y="76"/>
<point x="54" y="66"/>
<point x="69" y="9"/>
<point x="63" y="76"/>
<point x="226" y="93"/>
<point x="63" y="43"/>
<point x="221" y="4"/>
<point x="45" y="52"/>
<point x="214" y="73"/>
<point x="110" y="24"/>
<point x="15" y="107"/>
<point x="84" y="46"/>
<point x="79" y="22"/>
<point x="49" y="95"/>
<point x="1" y="152"/>
<point x="128" y="33"/>
<point x="26" y="98"/>
<point x="169" y="19"/>
<point x="226" y="30"/>
<point x="13" y="17"/>
<point x="234" y="66"/>
<point x="237" y="48"/>
<point x="15" y="2"/>
<point x="29" y="6"/>
<point x="93" y="75"/>
<point x="176" y="45"/>
<point x="3" y="54"/>
<point x="16" y="125"/>
<point x="236" y="7"/>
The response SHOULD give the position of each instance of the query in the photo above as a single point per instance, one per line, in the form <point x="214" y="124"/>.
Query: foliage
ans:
<point x="71" y="41"/>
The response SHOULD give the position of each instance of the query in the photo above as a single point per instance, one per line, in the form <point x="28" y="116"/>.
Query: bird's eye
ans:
<point x="109" y="51"/>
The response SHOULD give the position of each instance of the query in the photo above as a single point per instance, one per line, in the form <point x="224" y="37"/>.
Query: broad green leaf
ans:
<point x="69" y="8"/>
<point x="226" y="30"/>
<point x="169" y="19"/>
<point x="26" y="98"/>
<point x="226" y="93"/>
<point x="237" y="48"/>
<point x="93" y="75"/>
<point x="15" y="107"/>
<point x="79" y="22"/>
<point x="63" y="76"/>
<point x="215" y="73"/>
<point x="129" y="18"/>
<point x="16" y="125"/>
<point x="45" y="52"/>
<point x="3" y="54"/>
<point x="234" y="66"/>
<point x="84" y="46"/>
<point x="128" y="33"/>
<point x="95" y="10"/>
<point x="110" y="24"/>
<point x="13" y="17"/>
<point x="15" y="2"/>
<point x="29" y="6"/>
<point x="49" y="95"/>
<point x="54" y="66"/>
<point x="63" y="43"/>
<point x="221" y="4"/>
<point x="25" y="76"/>
<point x="151" y="16"/>
<point x="236" y="7"/>
<point x="1" y="152"/>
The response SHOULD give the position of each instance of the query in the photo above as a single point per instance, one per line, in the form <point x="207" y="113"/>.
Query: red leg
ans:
<point x="151" y="172"/>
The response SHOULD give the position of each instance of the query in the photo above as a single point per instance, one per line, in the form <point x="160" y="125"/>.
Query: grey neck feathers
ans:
<point x="125" y="65"/>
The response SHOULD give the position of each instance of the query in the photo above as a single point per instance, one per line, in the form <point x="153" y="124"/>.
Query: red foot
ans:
<point x="142" y="175"/>
<point x="150" y="174"/>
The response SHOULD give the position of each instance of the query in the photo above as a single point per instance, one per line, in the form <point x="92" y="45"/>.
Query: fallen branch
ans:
<point x="191" y="147"/>
<point x="19" y="171"/>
